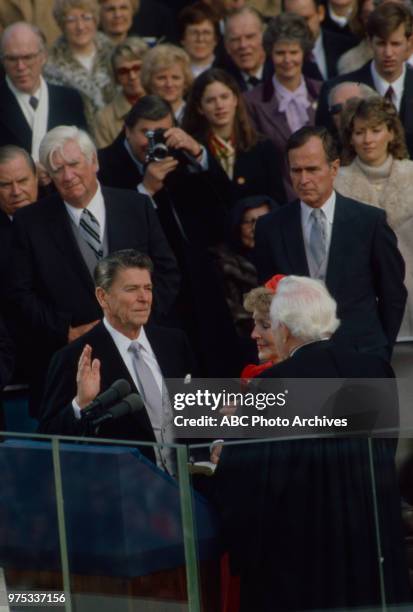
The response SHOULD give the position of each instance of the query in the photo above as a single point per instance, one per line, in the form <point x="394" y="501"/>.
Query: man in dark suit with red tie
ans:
<point x="347" y="244"/>
<point x="389" y="29"/>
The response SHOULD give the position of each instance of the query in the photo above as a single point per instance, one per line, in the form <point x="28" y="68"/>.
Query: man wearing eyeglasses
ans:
<point x="29" y="106"/>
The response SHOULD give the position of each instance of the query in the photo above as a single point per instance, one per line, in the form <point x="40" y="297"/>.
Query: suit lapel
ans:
<point x="113" y="368"/>
<point x="61" y="234"/>
<point x="293" y="240"/>
<point x="341" y="242"/>
<point x="13" y="117"/>
<point x="407" y="99"/>
<point x="163" y="357"/>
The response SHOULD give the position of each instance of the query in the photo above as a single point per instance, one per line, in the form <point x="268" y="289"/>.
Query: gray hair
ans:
<point x="288" y="27"/>
<point x="132" y="48"/>
<point x="108" y="267"/>
<point x="365" y="90"/>
<point x="55" y="140"/>
<point x="28" y="26"/>
<point x="305" y="307"/>
<point x="244" y="10"/>
<point x="10" y="152"/>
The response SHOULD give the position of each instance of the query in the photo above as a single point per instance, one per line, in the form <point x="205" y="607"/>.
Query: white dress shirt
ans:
<point x="96" y="206"/>
<point x="382" y="86"/>
<point x="307" y="221"/>
<point x="320" y="56"/>
<point x="37" y="119"/>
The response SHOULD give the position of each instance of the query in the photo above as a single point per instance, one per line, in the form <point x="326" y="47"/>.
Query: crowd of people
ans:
<point x="160" y="160"/>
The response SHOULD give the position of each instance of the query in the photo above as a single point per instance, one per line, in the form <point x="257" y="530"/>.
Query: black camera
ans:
<point x="157" y="147"/>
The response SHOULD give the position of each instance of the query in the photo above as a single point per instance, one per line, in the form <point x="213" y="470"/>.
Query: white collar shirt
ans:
<point x="96" y="206"/>
<point x="258" y="75"/>
<point x="382" y="86"/>
<point x="36" y="119"/>
<point x="320" y="56"/>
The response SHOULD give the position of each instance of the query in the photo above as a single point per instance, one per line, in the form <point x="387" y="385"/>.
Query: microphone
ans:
<point x="130" y="404"/>
<point x="116" y="392"/>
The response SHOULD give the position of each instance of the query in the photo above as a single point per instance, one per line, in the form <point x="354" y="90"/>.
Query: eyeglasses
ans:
<point x="72" y="19"/>
<point x="28" y="59"/>
<point x="124" y="71"/>
<point x="205" y="34"/>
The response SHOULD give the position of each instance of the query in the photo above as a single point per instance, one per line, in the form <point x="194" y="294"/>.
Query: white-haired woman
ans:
<point x="299" y="514"/>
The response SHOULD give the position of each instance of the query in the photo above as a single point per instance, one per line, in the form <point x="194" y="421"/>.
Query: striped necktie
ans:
<point x="89" y="228"/>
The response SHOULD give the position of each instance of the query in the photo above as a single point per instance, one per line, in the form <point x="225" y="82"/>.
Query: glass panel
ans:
<point x="125" y="534"/>
<point x="309" y="524"/>
<point x="30" y="558"/>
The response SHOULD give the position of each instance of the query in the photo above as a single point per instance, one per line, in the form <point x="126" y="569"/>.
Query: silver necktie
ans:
<point x="318" y="237"/>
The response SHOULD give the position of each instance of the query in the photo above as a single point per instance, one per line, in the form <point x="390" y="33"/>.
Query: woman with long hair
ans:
<point x="245" y="164"/>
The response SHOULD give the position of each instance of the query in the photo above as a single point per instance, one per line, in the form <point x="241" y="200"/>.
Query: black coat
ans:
<point x="175" y="360"/>
<point x="365" y="269"/>
<point x="299" y="514"/>
<point x="334" y="45"/>
<point x="65" y="108"/>
<point x="258" y="171"/>
<point x="50" y="287"/>
<point x="363" y="75"/>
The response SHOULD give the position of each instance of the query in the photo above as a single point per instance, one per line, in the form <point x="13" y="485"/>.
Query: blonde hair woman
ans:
<point x="166" y="72"/>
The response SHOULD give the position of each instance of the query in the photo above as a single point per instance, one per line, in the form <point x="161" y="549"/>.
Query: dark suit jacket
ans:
<point x="174" y="357"/>
<point x="256" y="172"/>
<point x="333" y="27"/>
<point x="272" y="123"/>
<point x="365" y="270"/>
<point x="50" y="287"/>
<point x="226" y="63"/>
<point x="5" y="241"/>
<point x="363" y="75"/>
<point x="334" y="45"/>
<point x="65" y="108"/>
<point x="197" y="203"/>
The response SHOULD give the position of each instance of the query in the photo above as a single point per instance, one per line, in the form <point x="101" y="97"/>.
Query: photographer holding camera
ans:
<point x="158" y="159"/>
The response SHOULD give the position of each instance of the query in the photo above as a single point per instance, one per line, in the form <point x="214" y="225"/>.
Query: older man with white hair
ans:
<point x="299" y="514"/>
<point x="59" y="241"/>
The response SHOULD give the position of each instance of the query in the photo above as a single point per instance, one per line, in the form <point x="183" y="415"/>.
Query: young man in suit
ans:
<point x="121" y="346"/>
<point x="347" y="244"/>
<point x="29" y="106"/>
<point x="389" y="29"/>
<point x="59" y="241"/>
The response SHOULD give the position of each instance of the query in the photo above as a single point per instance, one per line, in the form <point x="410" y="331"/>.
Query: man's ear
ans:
<point x="101" y="297"/>
<point x="321" y="10"/>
